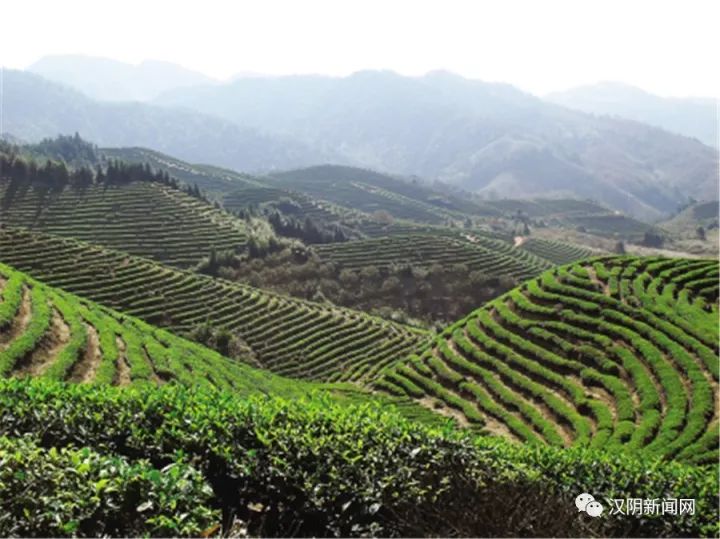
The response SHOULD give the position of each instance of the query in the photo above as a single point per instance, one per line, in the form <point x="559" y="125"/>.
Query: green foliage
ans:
<point x="79" y="492"/>
<point x="283" y="334"/>
<point x="21" y="347"/>
<point x="148" y="355"/>
<point x="599" y="353"/>
<point x="130" y="208"/>
<point x="311" y="467"/>
<point x="555" y="251"/>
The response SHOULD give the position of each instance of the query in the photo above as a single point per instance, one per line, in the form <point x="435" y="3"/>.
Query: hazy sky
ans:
<point x="669" y="48"/>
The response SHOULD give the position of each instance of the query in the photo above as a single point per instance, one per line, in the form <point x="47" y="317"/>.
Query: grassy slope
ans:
<point x="371" y="191"/>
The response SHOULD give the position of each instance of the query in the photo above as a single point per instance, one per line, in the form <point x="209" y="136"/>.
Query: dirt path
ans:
<point x="439" y="407"/>
<point x="85" y="369"/>
<point x="518" y="241"/>
<point x="561" y="424"/>
<point x="495" y="425"/>
<point x="48" y="348"/>
<point x="600" y="394"/>
<point x="20" y="322"/>
<point x="596" y="280"/>
<point x="122" y="374"/>
<point x="157" y="379"/>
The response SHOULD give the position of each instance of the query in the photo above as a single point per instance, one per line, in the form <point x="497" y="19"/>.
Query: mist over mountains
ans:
<point x="492" y="139"/>
<point x="35" y="108"/>
<point x="692" y="117"/>
<point x="111" y="80"/>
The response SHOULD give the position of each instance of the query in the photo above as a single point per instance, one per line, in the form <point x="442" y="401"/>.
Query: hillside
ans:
<point x="142" y="217"/>
<point x="357" y="202"/>
<point x="489" y="256"/>
<point x="370" y="191"/>
<point x="686" y="223"/>
<point x="291" y="202"/>
<point x="48" y="333"/>
<point x="285" y="335"/>
<point x="615" y="352"/>
<point x="547" y="208"/>
<point x="489" y="138"/>
<point x="692" y="117"/>
<point x="557" y="253"/>
<point x="213" y="181"/>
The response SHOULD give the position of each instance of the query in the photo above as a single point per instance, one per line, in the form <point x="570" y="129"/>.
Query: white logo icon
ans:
<point x="586" y="502"/>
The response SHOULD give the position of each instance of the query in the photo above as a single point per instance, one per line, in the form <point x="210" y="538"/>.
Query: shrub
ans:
<point x="79" y="492"/>
<point x="312" y="467"/>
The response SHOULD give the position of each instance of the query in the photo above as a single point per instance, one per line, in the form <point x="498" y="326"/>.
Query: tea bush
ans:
<point x="79" y="492"/>
<point x="313" y="467"/>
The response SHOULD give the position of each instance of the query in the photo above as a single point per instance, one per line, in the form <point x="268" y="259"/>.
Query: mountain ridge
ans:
<point x="691" y="116"/>
<point x="441" y="126"/>
<point x="112" y="80"/>
<point x="492" y="139"/>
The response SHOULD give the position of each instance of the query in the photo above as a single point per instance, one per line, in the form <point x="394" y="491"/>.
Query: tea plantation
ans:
<point x="51" y="334"/>
<point x="286" y="335"/>
<point x="424" y="250"/>
<point x="184" y="445"/>
<point x="84" y="460"/>
<point x="556" y="252"/>
<point x="612" y="352"/>
<point x="142" y="218"/>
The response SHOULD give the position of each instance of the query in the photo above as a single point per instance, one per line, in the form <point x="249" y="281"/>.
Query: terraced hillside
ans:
<point x="555" y="251"/>
<point x="584" y="215"/>
<point x="370" y="191"/>
<point x="214" y="181"/>
<point x="423" y="250"/>
<point x="288" y="336"/>
<point x="48" y="333"/>
<point x="610" y="352"/>
<point x="550" y="208"/>
<point x="141" y="218"/>
<point x="611" y="225"/>
<point x="302" y="205"/>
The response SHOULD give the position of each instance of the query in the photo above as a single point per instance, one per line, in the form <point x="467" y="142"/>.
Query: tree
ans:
<point x="620" y="247"/>
<point x="701" y="233"/>
<point x="653" y="239"/>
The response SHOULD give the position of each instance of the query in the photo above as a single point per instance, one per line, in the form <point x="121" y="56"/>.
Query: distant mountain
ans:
<point x="489" y="138"/>
<point x="35" y="108"/>
<point x="692" y="117"/>
<point x="110" y="80"/>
